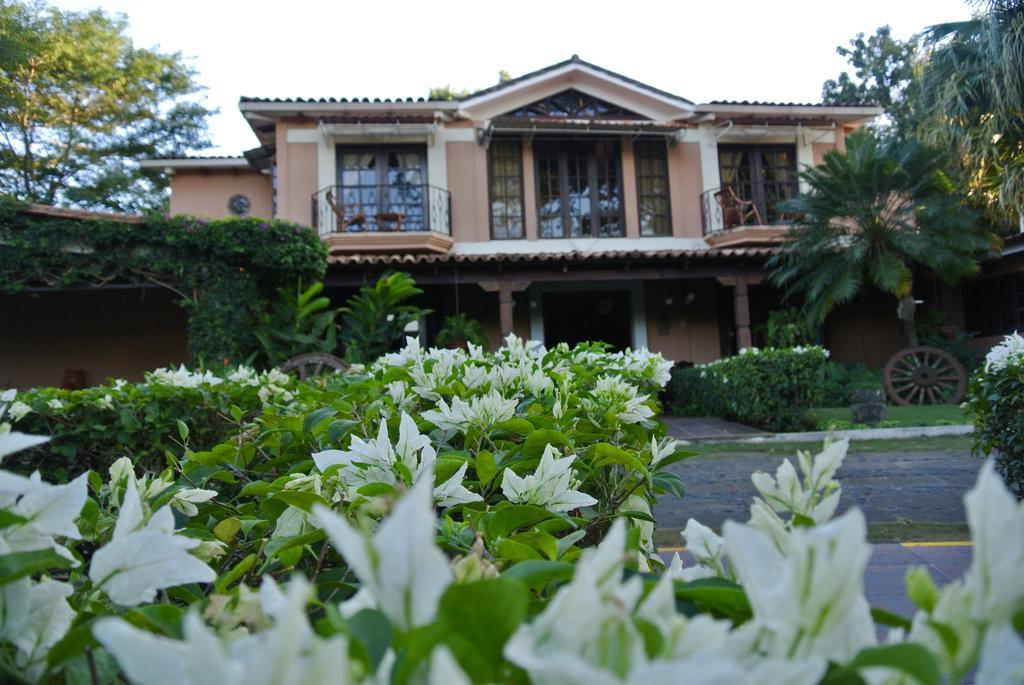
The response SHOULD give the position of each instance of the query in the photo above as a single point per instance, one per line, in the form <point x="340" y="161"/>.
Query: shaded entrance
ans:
<point x="575" y="317"/>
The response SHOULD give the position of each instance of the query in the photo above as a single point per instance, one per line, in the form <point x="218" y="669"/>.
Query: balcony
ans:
<point x="399" y="217"/>
<point x="731" y="221"/>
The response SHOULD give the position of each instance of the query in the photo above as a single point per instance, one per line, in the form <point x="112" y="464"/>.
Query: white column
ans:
<point x="709" y="172"/>
<point x="804" y="154"/>
<point x="638" y="307"/>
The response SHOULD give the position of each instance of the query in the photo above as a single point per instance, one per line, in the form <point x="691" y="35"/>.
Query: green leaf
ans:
<point x="486" y="468"/>
<point x="480" y="618"/>
<point x="536" y="574"/>
<point x="888" y="618"/>
<point x="371" y="629"/>
<point x="675" y="457"/>
<point x="17" y="565"/>
<point x="533" y="446"/>
<point x="317" y="417"/>
<point x="511" y="550"/>
<point x="666" y="481"/>
<point x="718" y="596"/>
<point x="606" y="454"/>
<point x="515" y="517"/>
<point x="339" y="428"/>
<point x="75" y="642"/>
<point x="914" y="660"/>
<point x="8" y="518"/>
<point x="278" y="546"/>
<point x="375" y="489"/>
<point x="515" y="426"/>
<point x="182" y="430"/>
<point x="226" y="530"/>
<point x="638" y="515"/>
<point x="240" y="569"/>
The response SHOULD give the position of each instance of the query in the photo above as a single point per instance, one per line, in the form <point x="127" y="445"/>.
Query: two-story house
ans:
<point x="568" y="204"/>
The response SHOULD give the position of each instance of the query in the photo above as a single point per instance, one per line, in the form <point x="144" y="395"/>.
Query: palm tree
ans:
<point x="972" y="101"/>
<point x="874" y="215"/>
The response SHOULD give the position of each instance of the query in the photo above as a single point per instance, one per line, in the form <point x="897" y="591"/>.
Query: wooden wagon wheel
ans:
<point x="313" y="364"/>
<point x="925" y="375"/>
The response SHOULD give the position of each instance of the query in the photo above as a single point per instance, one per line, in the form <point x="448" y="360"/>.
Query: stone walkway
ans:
<point x="888" y="487"/>
<point x="704" y="427"/>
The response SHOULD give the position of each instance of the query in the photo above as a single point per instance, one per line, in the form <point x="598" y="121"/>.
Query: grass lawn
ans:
<point x="959" y="443"/>
<point x="927" y="415"/>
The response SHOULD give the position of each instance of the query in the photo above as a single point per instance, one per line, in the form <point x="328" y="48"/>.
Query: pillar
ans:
<point x="741" y="307"/>
<point x="505" y="305"/>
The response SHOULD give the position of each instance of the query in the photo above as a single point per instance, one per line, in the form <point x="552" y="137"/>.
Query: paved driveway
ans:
<point x="888" y="487"/>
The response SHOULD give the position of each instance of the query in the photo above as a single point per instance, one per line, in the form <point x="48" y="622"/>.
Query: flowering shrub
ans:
<point x="768" y="388"/>
<point x="93" y="427"/>
<point x="310" y="549"/>
<point x="995" y="397"/>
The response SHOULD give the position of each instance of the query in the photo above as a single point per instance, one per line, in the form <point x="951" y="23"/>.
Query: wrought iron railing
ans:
<point x="382" y="208"/>
<point x="739" y="212"/>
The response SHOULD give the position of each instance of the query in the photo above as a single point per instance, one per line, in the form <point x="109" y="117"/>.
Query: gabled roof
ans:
<point x="341" y="101"/>
<point x="575" y="59"/>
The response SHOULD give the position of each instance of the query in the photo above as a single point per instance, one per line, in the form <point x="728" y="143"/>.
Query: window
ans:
<point x="579" y="190"/>
<point x="574" y="104"/>
<point x="382" y="189"/>
<point x="765" y="174"/>
<point x="652" y="187"/>
<point x="994" y="306"/>
<point x="506" y="187"/>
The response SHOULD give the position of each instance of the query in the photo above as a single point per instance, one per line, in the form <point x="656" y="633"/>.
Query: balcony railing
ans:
<point x="721" y="209"/>
<point x="382" y="208"/>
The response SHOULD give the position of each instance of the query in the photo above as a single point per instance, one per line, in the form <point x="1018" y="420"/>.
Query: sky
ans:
<point x="781" y="50"/>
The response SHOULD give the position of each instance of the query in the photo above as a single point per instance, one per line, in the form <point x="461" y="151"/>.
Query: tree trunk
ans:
<point x="905" y="311"/>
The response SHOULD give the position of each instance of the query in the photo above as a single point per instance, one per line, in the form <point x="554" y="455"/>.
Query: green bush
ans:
<point x="995" y="397"/>
<point x="838" y="380"/>
<point x="459" y="329"/>
<point x="767" y="388"/>
<point x="374" y="320"/>
<point x="94" y="427"/>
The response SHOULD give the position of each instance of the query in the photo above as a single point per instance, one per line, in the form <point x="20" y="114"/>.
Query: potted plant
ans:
<point x="459" y="329"/>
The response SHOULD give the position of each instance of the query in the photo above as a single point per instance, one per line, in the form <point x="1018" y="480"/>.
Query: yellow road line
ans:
<point x="962" y="543"/>
<point x="664" y="550"/>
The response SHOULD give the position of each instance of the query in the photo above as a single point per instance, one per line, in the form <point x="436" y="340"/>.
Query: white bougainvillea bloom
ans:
<point x="660" y="450"/>
<point x="613" y="395"/>
<point x="550" y="486"/>
<point x="182" y="377"/>
<point x="145" y="556"/>
<point x="707" y="548"/>
<point x="816" y="496"/>
<point x="49" y="512"/>
<point x="18" y="411"/>
<point x="1002" y="657"/>
<point x="1010" y="352"/>
<point x="810" y="599"/>
<point x="47" y="620"/>
<point x="452" y="492"/>
<point x="400" y="567"/>
<point x="288" y="652"/>
<point x="482" y="412"/>
<point x="951" y="615"/>
<point x="996" y="519"/>
<point x="185" y="500"/>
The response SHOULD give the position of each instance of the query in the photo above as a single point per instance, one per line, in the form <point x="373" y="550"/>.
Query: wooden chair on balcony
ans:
<point x="737" y="212"/>
<point x="345" y="223"/>
<point x="390" y="221"/>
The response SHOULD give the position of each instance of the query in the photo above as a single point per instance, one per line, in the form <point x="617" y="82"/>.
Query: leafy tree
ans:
<point x="459" y="329"/>
<point x="296" y="323"/>
<point x="79" y="103"/>
<point x="883" y="74"/>
<point x="873" y="215"/>
<point x="375" y="318"/>
<point x="446" y="92"/>
<point x="973" y="96"/>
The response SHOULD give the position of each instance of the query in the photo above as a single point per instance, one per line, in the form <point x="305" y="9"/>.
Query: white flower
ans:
<point x="55" y="404"/>
<point x="142" y="558"/>
<point x="996" y="520"/>
<point x="482" y="412"/>
<point x="660" y="450"/>
<point x="47" y="620"/>
<point x="288" y="653"/>
<point x="707" y="548"/>
<point x="452" y="492"/>
<point x="49" y="511"/>
<point x="1002" y="657"/>
<point x="810" y="599"/>
<point x="185" y="500"/>
<point x="120" y="470"/>
<point x="400" y="567"/>
<point x="183" y="378"/>
<point x="105" y="402"/>
<point x="550" y="486"/>
<point x="817" y="495"/>
<point x="19" y="410"/>
<point x="612" y="395"/>
<point x="1010" y="352"/>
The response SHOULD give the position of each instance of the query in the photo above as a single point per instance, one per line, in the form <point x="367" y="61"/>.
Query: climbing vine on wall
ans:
<point x="222" y="270"/>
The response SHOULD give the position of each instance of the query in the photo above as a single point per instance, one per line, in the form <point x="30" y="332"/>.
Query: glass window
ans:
<point x="763" y="174"/>
<point x="579" y="189"/>
<point x="382" y="189"/>
<point x="506" y="188"/>
<point x="652" y="187"/>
